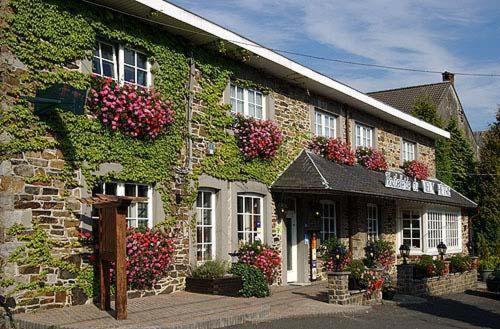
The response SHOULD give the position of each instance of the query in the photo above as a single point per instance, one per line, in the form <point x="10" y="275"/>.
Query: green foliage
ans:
<point x="211" y="269"/>
<point x="254" y="281"/>
<point x="463" y="162"/>
<point x="460" y="263"/>
<point x="86" y="281"/>
<point x="16" y="229"/>
<point x="489" y="263"/>
<point x="488" y="224"/>
<point x="426" y="110"/>
<point x="426" y="266"/>
<point x="357" y="269"/>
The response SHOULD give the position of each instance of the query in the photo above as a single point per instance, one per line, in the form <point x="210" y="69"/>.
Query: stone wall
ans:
<point x="436" y="286"/>
<point x="338" y="291"/>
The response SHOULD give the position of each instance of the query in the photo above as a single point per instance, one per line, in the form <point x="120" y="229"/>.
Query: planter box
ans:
<point x="227" y="286"/>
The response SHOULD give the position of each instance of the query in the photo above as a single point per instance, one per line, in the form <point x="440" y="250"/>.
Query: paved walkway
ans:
<point x="188" y="310"/>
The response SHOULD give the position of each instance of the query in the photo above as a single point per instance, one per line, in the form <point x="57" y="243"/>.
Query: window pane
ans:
<point x="239" y="107"/>
<point x="207" y="199"/>
<point x="207" y="232"/>
<point x="239" y="93"/>
<point x="256" y="223"/>
<point x="110" y="188"/>
<point x="142" y="210"/>
<point x="141" y="61"/>
<point x="128" y="57"/>
<point x="208" y="252"/>
<point x="142" y="223"/>
<point x="251" y="96"/>
<point x="207" y="217"/>
<point x="96" y="66"/>
<point x="106" y="51"/>
<point x="199" y="234"/>
<point x="130" y="189"/>
<point x="199" y="200"/>
<point x="142" y="78"/>
<point x="240" y="223"/>
<point x="129" y="74"/>
<point x="232" y="90"/>
<point x="258" y="99"/>
<point x="251" y="110"/>
<point x="240" y="204"/>
<point x="248" y="205"/>
<point x="142" y="191"/>
<point x="108" y="69"/>
<point x="258" y="113"/>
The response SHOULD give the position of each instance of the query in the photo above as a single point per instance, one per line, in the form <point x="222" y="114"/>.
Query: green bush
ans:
<point x="460" y="263"/>
<point x="212" y="269"/>
<point x="254" y="281"/>
<point x="489" y="263"/>
<point x="428" y="267"/>
<point x="357" y="269"/>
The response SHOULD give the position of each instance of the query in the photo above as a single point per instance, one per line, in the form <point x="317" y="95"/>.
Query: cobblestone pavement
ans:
<point x="475" y="309"/>
<point x="188" y="310"/>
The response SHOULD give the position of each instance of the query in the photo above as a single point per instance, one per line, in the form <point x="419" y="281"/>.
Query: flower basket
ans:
<point x="257" y="138"/>
<point x="416" y="169"/>
<point x="333" y="149"/>
<point x="371" y="159"/>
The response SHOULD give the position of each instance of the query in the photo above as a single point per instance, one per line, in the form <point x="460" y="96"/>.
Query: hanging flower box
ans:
<point x="333" y="149"/>
<point x="416" y="169"/>
<point x="257" y="138"/>
<point x="133" y="110"/>
<point x="371" y="159"/>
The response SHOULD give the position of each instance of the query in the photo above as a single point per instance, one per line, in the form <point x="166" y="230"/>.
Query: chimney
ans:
<point x="448" y="76"/>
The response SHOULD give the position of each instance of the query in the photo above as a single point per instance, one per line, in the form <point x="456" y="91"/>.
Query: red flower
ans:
<point x="135" y="111"/>
<point x="416" y="169"/>
<point x="333" y="149"/>
<point x="371" y="159"/>
<point x="257" y="138"/>
<point x="263" y="257"/>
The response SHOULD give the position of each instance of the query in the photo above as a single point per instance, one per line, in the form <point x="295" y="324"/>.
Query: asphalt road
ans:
<point x="467" y="310"/>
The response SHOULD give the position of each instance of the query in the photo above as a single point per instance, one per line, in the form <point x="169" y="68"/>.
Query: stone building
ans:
<point x="442" y="94"/>
<point x="234" y="200"/>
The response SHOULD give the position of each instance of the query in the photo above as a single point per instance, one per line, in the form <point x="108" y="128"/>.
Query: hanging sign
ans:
<point x="444" y="190"/>
<point x="399" y="181"/>
<point x="428" y="187"/>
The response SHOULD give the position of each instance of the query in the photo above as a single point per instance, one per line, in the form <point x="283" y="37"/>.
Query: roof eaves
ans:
<point x="323" y="179"/>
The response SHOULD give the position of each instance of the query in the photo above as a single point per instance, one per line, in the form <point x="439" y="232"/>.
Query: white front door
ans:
<point x="291" y="246"/>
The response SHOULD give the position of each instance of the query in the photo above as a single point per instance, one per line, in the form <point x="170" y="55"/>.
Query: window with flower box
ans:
<point x="122" y="63"/>
<point x="408" y="151"/>
<point x="139" y="214"/>
<point x="328" y="220"/>
<point x="363" y="136"/>
<point x="325" y="124"/>
<point x="248" y="102"/>
<point x="205" y="226"/>
<point x="250" y="218"/>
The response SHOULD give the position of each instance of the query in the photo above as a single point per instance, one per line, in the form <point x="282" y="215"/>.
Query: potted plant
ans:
<point x="357" y="269"/>
<point x="212" y="277"/>
<point x="388" y="288"/>
<point x="335" y="255"/>
<point x="487" y="265"/>
<point x="493" y="282"/>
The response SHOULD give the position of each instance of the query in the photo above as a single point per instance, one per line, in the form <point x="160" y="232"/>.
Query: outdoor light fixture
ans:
<point x="370" y="251"/>
<point x="281" y="209"/>
<point x="337" y="253"/>
<point x="234" y="256"/>
<point x="441" y="247"/>
<point x="404" y="250"/>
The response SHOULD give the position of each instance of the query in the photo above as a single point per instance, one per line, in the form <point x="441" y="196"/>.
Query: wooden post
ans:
<point x="121" y="262"/>
<point x="112" y="249"/>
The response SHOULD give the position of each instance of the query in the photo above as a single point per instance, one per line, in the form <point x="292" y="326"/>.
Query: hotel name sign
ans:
<point x="403" y="182"/>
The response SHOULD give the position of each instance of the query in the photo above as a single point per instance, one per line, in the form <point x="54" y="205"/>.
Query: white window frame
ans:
<point x="408" y="150"/>
<point x="121" y="62"/>
<point x="414" y="250"/>
<point x="246" y="102"/>
<point x="363" y="135"/>
<point x="372" y="214"/>
<point x="326" y="219"/>
<point x="325" y="124"/>
<point x="199" y="217"/>
<point x="259" y="232"/>
<point x="120" y="191"/>
<point x="101" y="59"/>
<point x="441" y="226"/>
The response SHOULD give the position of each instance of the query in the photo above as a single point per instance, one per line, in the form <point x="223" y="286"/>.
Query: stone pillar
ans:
<point x="405" y="278"/>
<point x="338" y="288"/>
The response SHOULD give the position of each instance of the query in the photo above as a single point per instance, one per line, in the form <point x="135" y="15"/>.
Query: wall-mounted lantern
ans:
<point x="404" y="250"/>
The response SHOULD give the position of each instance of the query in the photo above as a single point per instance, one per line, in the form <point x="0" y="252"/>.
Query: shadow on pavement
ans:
<point x="485" y="294"/>
<point x="320" y="296"/>
<point x="451" y="308"/>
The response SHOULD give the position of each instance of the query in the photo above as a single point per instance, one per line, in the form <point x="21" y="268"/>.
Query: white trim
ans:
<point x="212" y="226"/>
<point x="246" y="101"/>
<point x="370" y="103"/>
<point x="324" y="123"/>
<point x="324" y="230"/>
<point x="325" y="182"/>
<point x="363" y="133"/>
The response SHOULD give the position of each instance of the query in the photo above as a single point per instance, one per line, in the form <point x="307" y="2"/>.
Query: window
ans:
<point x="139" y="214"/>
<point x="372" y="212"/>
<point x="250" y="219"/>
<point x="408" y="151"/>
<point x="324" y="124"/>
<point x="205" y="226"/>
<point x="104" y="60"/>
<point x="135" y="67"/>
<point x="131" y="66"/>
<point x="443" y="226"/>
<point x="248" y="102"/>
<point x="328" y="220"/>
<point x="364" y="136"/>
<point x="411" y="228"/>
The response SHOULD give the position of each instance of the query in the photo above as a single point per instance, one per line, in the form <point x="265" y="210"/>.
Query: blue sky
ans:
<point x="458" y="36"/>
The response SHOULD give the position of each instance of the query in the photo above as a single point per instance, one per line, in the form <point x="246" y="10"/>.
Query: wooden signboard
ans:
<point x="112" y="239"/>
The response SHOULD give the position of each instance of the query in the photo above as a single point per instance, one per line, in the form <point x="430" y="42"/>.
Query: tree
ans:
<point x="425" y="109"/>
<point x="487" y="227"/>
<point x="463" y="164"/>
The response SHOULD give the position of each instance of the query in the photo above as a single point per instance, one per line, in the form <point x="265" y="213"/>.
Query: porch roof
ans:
<point x="312" y="173"/>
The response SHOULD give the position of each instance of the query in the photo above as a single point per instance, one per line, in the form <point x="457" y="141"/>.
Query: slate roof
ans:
<point x="404" y="98"/>
<point x="310" y="172"/>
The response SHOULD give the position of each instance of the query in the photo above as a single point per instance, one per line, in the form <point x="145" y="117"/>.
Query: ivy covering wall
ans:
<point x="50" y="38"/>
